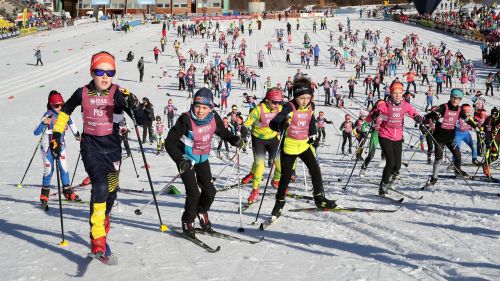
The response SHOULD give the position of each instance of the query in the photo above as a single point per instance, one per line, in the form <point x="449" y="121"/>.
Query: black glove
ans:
<point x="184" y="165"/>
<point x="419" y="119"/>
<point x="131" y="99"/>
<point x="375" y="114"/>
<point x="239" y="142"/>
<point x="55" y="145"/>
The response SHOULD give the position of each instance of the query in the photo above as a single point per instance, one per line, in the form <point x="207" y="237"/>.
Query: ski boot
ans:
<point x="278" y="208"/>
<point x="429" y="160"/>
<point x="218" y="154"/>
<point x="275" y="183"/>
<point x="86" y="181"/>
<point x="98" y="245"/>
<point x="362" y="172"/>
<point x="253" y="196"/>
<point x="205" y="223"/>
<point x="321" y="202"/>
<point x="248" y="178"/>
<point x="69" y="194"/>
<point x="431" y="182"/>
<point x="227" y="156"/>
<point x="475" y="162"/>
<point x="463" y="174"/>
<point x="383" y="188"/>
<point x="293" y="177"/>
<point x="44" y="198"/>
<point x="188" y="229"/>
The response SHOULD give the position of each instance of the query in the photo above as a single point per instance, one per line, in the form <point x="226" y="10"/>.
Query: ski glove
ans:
<point x="419" y="119"/>
<point x="131" y="99"/>
<point x="55" y="145"/>
<point x="239" y="142"/>
<point x="184" y="165"/>
<point x="375" y="114"/>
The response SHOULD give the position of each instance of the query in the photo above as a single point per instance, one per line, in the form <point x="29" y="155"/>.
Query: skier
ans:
<point x="38" y="55"/>
<point x="462" y="133"/>
<point x="300" y="133"/>
<point x="392" y="113"/>
<point x="101" y="101"/>
<point x="188" y="144"/>
<point x="159" y="135"/>
<point x="346" y="128"/>
<point x="446" y="117"/>
<point x="320" y="121"/>
<point x="230" y="128"/>
<point x="372" y="146"/>
<point x="54" y="105"/>
<point x="264" y="139"/>
<point x="170" y="111"/>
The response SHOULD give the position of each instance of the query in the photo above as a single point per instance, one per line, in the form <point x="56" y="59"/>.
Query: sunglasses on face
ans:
<point x="456" y="98"/>
<point x="59" y="105"/>
<point x="276" y="102"/>
<point x="100" y="72"/>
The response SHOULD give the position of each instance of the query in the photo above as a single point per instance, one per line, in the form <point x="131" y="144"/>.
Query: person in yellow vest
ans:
<point x="103" y="104"/>
<point x="264" y="139"/>
<point x="297" y="120"/>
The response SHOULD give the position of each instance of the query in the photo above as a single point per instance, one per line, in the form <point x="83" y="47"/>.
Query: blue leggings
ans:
<point x="467" y="137"/>
<point x="48" y="163"/>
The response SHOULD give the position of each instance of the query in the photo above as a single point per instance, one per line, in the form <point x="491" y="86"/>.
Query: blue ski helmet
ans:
<point x="456" y="92"/>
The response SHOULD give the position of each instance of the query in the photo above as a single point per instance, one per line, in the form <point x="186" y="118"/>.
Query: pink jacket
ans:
<point x="392" y="126"/>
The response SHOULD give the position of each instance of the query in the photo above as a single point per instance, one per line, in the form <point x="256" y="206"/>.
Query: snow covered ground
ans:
<point x="451" y="234"/>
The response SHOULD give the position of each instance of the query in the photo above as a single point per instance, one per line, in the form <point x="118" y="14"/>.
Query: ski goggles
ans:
<point x="100" y="72"/>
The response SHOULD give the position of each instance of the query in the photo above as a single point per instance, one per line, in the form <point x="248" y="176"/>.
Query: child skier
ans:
<point x="54" y="105"/>
<point x="392" y="113"/>
<point x="346" y="128"/>
<point x="299" y="134"/>
<point x="264" y="139"/>
<point x="321" y="120"/>
<point x="446" y="117"/>
<point x="188" y="144"/>
<point x="159" y="135"/>
<point x="102" y="105"/>
<point x="170" y="111"/>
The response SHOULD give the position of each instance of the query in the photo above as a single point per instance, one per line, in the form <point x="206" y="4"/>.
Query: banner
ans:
<point x="100" y="2"/>
<point x="146" y="2"/>
<point x="220" y="18"/>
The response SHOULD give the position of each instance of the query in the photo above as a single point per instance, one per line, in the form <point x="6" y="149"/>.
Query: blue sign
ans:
<point x="100" y="2"/>
<point x="146" y="2"/>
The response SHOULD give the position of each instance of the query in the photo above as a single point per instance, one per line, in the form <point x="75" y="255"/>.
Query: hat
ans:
<point x="55" y="98"/>
<point x="204" y="96"/>
<point x="102" y="57"/>
<point x="456" y="92"/>
<point x="396" y="86"/>
<point x="274" y="94"/>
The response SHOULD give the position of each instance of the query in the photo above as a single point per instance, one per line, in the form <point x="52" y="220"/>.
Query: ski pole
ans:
<point x="241" y="229"/>
<point x="163" y="227"/>
<point x="305" y="177"/>
<point x="225" y="166"/>
<point x="167" y="188"/>
<point x="359" y="152"/>
<point x="63" y="242"/>
<point x="20" y="185"/>
<point x="133" y="163"/>
<point x="76" y="166"/>
<point x="270" y="172"/>
<point x="414" y="152"/>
